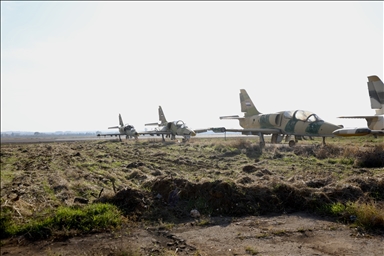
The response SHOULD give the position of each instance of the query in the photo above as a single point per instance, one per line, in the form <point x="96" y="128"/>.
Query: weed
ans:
<point x="337" y="209"/>
<point x="279" y="232"/>
<point x="240" y="237"/>
<point x="167" y="252"/>
<point x="204" y="222"/>
<point x="251" y="251"/>
<point x="262" y="235"/>
<point x="166" y="226"/>
<point x="333" y="228"/>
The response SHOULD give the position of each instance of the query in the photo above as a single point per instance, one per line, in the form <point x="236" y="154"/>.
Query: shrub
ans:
<point x="328" y="151"/>
<point x="5" y="222"/>
<point x="371" y="158"/>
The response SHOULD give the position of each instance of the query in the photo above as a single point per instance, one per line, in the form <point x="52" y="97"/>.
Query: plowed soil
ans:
<point x="249" y="201"/>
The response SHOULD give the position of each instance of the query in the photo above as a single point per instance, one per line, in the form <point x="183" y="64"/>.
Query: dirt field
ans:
<point x="250" y="201"/>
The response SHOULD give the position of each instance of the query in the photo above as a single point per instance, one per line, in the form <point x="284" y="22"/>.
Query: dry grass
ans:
<point x="369" y="215"/>
<point x="217" y="176"/>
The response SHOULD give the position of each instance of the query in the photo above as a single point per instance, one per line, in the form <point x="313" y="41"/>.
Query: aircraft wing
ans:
<point x="110" y="134"/>
<point x="201" y="130"/>
<point x="231" y="117"/>
<point x="155" y="132"/>
<point x="247" y="131"/>
<point x="362" y="117"/>
<point x="255" y="131"/>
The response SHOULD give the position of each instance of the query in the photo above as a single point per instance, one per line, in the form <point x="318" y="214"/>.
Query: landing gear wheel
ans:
<point x="291" y="143"/>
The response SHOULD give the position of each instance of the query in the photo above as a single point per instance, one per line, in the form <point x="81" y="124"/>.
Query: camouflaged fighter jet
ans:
<point x="172" y="129"/>
<point x="297" y="123"/>
<point x="127" y="130"/>
<point x="376" y="122"/>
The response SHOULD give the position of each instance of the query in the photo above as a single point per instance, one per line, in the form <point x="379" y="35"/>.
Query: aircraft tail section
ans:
<point x="247" y="105"/>
<point x="121" y="121"/>
<point x="376" y="93"/>
<point x="162" y="118"/>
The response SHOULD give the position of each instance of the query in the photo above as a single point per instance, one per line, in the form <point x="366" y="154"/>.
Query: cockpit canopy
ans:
<point x="302" y="115"/>
<point x="128" y="127"/>
<point x="180" y="124"/>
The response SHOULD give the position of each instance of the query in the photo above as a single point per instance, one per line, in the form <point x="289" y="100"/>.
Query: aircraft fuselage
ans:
<point x="299" y="122"/>
<point x="129" y="131"/>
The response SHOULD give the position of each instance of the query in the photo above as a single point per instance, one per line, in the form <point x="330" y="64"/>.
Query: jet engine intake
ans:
<point x="270" y="120"/>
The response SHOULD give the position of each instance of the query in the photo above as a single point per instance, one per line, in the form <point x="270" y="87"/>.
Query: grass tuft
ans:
<point x="94" y="217"/>
<point x="369" y="215"/>
<point x="374" y="157"/>
<point x="252" y="251"/>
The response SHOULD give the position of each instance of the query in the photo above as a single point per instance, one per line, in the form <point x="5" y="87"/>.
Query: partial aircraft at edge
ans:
<point x="298" y="123"/>
<point x="172" y="129"/>
<point x="127" y="130"/>
<point x="376" y="122"/>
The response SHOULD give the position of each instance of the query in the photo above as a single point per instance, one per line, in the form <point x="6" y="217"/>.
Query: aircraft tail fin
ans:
<point x="376" y="93"/>
<point x="247" y="105"/>
<point x="121" y="121"/>
<point x="162" y="118"/>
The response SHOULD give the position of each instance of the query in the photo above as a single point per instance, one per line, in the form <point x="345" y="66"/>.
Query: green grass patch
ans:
<point x="8" y="167"/>
<point x="93" y="217"/>
<point x="347" y="161"/>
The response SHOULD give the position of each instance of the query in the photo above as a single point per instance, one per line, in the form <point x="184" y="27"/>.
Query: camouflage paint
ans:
<point x="290" y="126"/>
<point x="172" y="129"/>
<point x="162" y="118"/>
<point x="264" y="122"/>
<point x="313" y="128"/>
<point x="299" y="122"/>
<point x="247" y="105"/>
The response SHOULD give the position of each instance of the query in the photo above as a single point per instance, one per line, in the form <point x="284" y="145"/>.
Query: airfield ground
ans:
<point x="251" y="201"/>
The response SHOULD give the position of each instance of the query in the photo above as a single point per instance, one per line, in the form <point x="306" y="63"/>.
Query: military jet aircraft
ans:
<point x="172" y="129"/>
<point x="127" y="130"/>
<point x="375" y="123"/>
<point x="298" y="123"/>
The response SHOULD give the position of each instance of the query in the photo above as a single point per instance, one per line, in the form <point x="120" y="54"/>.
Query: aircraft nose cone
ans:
<point x="327" y="129"/>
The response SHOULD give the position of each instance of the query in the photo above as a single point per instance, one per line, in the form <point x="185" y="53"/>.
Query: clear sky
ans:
<point x="74" y="66"/>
